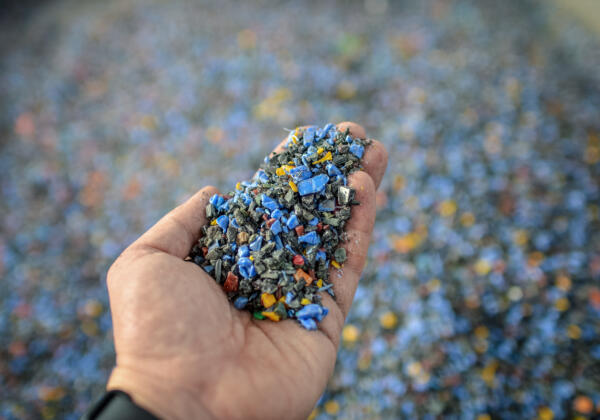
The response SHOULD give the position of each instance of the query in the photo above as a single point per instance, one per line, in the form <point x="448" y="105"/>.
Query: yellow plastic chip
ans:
<point x="388" y="320"/>
<point x="350" y="333"/>
<point x="267" y="300"/>
<point x="293" y="186"/>
<point x="272" y="316"/>
<point x="324" y="158"/>
<point x="332" y="407"/>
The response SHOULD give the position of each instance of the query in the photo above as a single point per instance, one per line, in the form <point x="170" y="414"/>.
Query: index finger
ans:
<point x="375" y="159"/>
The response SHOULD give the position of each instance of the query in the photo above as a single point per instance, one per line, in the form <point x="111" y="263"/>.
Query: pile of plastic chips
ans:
<point x="270" y="242"/>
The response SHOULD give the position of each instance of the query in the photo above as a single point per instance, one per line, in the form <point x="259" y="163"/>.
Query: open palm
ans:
<point x="184" y="352"/>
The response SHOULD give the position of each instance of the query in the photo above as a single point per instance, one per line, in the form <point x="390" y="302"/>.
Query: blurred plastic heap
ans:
<point x="481" y="296"/>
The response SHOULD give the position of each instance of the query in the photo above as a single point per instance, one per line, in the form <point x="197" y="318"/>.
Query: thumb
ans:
<point x="179" y="229"/>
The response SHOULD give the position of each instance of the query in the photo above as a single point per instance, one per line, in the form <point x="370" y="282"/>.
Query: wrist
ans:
<point x="157" y="396"/>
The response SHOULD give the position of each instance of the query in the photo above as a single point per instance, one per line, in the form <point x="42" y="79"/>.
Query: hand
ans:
<point x="184" y="352"/>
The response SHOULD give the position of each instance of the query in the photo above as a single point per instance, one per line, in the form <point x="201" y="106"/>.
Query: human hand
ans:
<point x="184" y="352"/>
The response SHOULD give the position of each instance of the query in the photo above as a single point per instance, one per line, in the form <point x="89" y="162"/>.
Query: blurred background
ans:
<point x="481" y="297"/>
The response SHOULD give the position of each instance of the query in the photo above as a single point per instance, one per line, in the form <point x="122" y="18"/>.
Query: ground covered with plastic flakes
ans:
<point x="481" y="296"/>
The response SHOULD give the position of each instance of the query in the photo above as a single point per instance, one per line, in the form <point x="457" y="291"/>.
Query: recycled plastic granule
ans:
<point x="270" y="243"/>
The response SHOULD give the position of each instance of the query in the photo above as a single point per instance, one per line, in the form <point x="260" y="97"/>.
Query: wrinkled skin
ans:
<point x="184" y="352"/>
